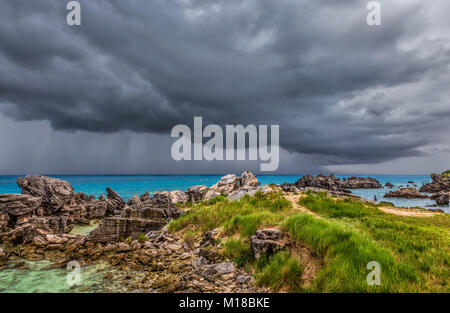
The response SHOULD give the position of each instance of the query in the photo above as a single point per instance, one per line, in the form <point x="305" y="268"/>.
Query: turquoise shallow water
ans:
<point x="127" y="186"/>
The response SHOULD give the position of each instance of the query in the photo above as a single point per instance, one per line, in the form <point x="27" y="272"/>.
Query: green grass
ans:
<point x="413" y="252"/>
<point x="233" y="214"/>
<point x="239" y="251"/>
<point x="346" y="253"/>
<point x="280" y="271"/>
<point x="419" y="245"/>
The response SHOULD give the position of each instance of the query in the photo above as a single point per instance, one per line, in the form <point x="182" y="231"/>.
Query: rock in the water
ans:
<point x="17" y="205"/>
<point x="266" y="241"/>
<point x="442" y="197"/>
<point x="197" y="193"/>
<point x="360" y="183"/>
<point x="439" y="183"/>
<point x="54" y="192"/>
<point x="389" y="185"/>
<point x="409" y="193"/>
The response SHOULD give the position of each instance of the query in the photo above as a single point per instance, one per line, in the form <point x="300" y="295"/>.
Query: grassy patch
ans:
<point x="280" y="271"/>
<point x="421" y="244"/>
<point x="239" y="251"/>
<point x="221" y="212"/>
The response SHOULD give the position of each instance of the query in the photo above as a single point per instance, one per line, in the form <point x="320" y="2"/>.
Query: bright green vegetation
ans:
<point x="142" y="238"/>
<point x="280" y="271"/>
<point x="245" y="216"/>
<point x="413" y="252"/>
<point x="446" y="174"/>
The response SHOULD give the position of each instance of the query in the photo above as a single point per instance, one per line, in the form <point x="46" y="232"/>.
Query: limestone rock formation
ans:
<point x="409" y="193"/>
<point x="442" y="197"/>
<point x="54" y="192"/>
<point x="18" y="205"/>
<point x="439" y="183"/>
<point x="266" y="241"/>
<point x="196" y="193"/>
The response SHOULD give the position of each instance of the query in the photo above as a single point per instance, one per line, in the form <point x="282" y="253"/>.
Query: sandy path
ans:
<point x="293" y="198"/>
<point x="408" y="212"/>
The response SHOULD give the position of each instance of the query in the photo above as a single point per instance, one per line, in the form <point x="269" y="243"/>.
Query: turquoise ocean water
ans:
<point x="127" y="186"/>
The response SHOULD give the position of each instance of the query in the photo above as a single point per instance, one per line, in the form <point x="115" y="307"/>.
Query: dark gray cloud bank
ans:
<point x="102" y="98"/>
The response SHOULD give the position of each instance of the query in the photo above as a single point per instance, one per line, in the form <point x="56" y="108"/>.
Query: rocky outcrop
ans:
<point x="266" y="242"/>
<point x="409" y="193"/>
<point x="135" y="200"/>
<point x="18" y="205"/>
<point x="442" y="197"/>
<point x="26" y="229"/>
<point x="113" y="228"/>
<point x="197" y="193"/>
<point x="139" y="218"/>
<point x="389" y="185"/>
<point x="55" y="193"/>
<point x="115" y="202"/>
<point x="360" y="183"/>
<point x="331" y="183"/>
<point x="235" y="188"/>
<point x="225" y="186"/>
<point x="249" y="180"/>
<point x="175" y="196"/>
<point x="439" y="183"/>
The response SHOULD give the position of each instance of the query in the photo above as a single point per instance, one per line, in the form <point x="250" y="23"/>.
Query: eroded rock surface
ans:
<point x="409" y="193"/>
<point x="266" y="242"/>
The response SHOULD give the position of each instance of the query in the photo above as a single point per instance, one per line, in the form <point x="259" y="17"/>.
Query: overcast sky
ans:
<point x="102" y="98"/>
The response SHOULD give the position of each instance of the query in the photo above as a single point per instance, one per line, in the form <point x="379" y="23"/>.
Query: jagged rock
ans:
<point x="135" y="200"/>
<point x="225" y="186"/>
<point x="163" y="202"/>
<point x="251" y="191"/>
<point x="249" y="180"/>
<point x="111" y="228"/>
<point x="288" y="187"/>
<point x="175" y="196"/>
<point x="360" y="183"/>
<point x="145" y="196"/>
<point x="196" y="193"/>
<point x="216" y="271"/>
<point x="439" y="183"/>
<point x="209" y="238"/>
<point x="331" y="183"/>
<point x="17" y="205"/>
<point x="115" y="201"/>
<point x="96" y="209"/>
<point x="4" y="259"/>
<point x="389" y="185"/>
<point x="54" y="192"/>
<point x="409" y="193"/>
<point x="26" y="230"/>
<point x="442" y="197"/>
<point x="266" y="241"/>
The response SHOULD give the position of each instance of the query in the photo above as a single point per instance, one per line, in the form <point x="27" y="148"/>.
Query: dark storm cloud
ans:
<point x="337" y="87"/>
